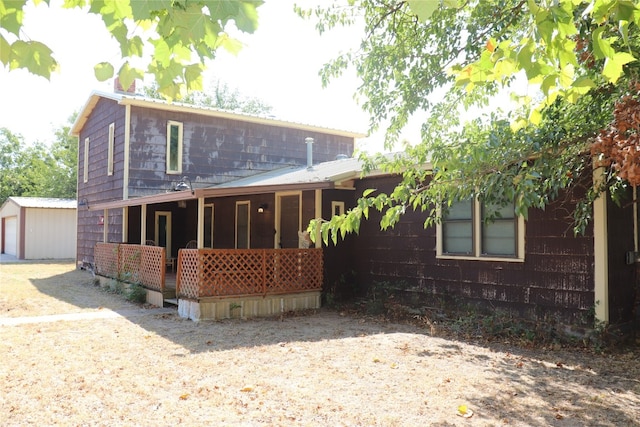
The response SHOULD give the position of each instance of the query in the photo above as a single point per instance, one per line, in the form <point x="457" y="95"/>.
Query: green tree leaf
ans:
<point x="34" y="56"/>
<point x="103" y="71"/>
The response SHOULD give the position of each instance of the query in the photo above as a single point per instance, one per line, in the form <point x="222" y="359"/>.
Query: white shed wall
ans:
<point x="11" y="210"/>
<point x="50" y="233"/>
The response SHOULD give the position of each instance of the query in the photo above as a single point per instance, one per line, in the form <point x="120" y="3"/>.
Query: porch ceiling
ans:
<point x="175" y="196"/>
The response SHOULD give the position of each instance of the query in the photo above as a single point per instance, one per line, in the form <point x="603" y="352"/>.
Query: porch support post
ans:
<point x="600" y="253"/>
<point x="200" y="238"/>
<point x="105" y="226"/>
<point x="318" y="215"/>
<point x="125" y="224"/>
<point x="143" y="224"/>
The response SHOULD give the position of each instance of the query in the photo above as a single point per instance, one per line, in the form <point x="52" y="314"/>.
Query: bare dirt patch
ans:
<point x="150" y="367"/>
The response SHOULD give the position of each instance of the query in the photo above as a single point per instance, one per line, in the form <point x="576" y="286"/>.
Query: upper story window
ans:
<point x="111" y="142"/>
<point x="466" y="233"/>
<point x="174" y="147"/>
<point x="85" y="174"/>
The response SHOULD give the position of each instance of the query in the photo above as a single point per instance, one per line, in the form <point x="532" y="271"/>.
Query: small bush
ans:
<point x="136" y="293"/>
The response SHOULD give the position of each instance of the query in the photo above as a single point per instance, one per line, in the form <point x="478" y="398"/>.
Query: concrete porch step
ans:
<point x="171" y="301"/>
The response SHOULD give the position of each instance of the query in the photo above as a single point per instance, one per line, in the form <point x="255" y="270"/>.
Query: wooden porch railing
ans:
<point x="131" y="263"/>
<point x="242" y="272"/>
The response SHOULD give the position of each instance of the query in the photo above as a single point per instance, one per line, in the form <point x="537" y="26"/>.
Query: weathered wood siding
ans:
<point x="218" y="150"/>
<point x="339" y="267"/>
<point x="555" y="281"/>
<point x="261" y="225"/>
<point x="100" y="187"/>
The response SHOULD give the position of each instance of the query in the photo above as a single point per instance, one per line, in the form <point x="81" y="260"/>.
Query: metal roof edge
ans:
<point x="87" y="108"/>
<point x="212" y="112"/>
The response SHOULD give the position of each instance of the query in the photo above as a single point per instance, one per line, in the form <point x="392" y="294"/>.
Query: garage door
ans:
<point x="10" y="235"/>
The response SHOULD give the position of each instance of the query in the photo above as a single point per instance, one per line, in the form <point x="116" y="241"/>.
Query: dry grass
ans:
<point x="150" y="367"/>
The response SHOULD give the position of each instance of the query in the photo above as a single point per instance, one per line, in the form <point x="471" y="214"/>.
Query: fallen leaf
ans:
<point x="465" y="412"/>
<point x="247" y="389"/>
<point x="184" y="396"/>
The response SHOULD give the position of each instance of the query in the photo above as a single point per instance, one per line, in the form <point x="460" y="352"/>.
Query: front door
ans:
<point x="289" y="220"/>
<point x="163" y="230"/>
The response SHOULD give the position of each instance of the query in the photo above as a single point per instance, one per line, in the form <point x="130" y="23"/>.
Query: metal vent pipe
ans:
<point x="309" y="142"/>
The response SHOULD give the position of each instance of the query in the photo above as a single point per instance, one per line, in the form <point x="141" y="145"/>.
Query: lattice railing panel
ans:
<point x="152" y="267"/>
<point x="188" y="278"/>
<point x="105" y="257"/>
<point x="232" y="272"/>
<point x="294" y="270"/>
<point x="220" y="272"/>
<point x="129" y="264"/>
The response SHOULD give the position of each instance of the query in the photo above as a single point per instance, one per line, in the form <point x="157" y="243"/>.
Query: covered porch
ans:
<point x="219" y="283"/>
<point x="238" y="249"/>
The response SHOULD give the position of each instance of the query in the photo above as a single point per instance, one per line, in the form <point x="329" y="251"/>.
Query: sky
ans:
<point x="279" y="64"/>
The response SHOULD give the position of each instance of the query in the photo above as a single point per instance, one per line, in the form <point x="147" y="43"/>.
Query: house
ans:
<point x="537" y="269"/>
<point x="132" y="147"/>
<point x="38" y="228"/>
<point x="155" y="174"/>
<point x="241" y="188"/>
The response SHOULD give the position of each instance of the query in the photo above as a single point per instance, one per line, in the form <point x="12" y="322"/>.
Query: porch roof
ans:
<point x="324" y="175"/>
<point x="218" y="191"/>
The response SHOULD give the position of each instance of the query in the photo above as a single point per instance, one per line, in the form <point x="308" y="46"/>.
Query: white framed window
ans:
<point x="174" y="147"/>
<point x="243" y="224"/>
<point x="463" y="233"/>
<point x="208" y="225"/>
<point x="85" y="171"/>
<point x="111" y="142"/>
<point x="337" y="208"/>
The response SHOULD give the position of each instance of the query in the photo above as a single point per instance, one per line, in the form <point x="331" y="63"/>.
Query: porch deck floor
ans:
<point x="170" y="289"/>
<point x="170" y="281"/>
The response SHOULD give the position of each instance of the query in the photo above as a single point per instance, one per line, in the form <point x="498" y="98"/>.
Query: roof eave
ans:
<point x="156" y="104"/>
<point x="175" y="196"/>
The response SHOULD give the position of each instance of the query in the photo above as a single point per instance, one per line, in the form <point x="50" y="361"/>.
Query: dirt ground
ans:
<point x="73" y="354"/>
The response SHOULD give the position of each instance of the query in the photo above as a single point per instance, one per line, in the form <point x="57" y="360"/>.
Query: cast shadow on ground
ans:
<point x="517" y="374"/>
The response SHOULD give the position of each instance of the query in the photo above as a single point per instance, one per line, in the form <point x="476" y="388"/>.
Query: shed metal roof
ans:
<point x="44" y="202"/>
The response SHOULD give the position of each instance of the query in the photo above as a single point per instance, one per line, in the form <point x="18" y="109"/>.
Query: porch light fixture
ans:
<point x="262" y="208"/>
<point x="182" y="185"/>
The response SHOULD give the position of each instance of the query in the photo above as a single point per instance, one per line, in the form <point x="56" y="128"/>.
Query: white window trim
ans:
<point x="171" y="123"/>
<point x="248" y="203"/>
<point x="477" y="241"/>
<point x="85" y="172"/>
<point x="112" y="129"/>
<point x="339" y="205"/>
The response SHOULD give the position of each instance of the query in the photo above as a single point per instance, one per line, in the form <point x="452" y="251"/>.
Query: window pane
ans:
<point x="460" y="210"/>
<point x="499" y="238"/>
<point x="173" y="147"/>
<point x="457" y="229"/>
<point x="457" y="237"/>
<point x="208" y="227"/>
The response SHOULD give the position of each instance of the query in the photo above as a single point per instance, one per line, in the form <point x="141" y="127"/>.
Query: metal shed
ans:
<point x="38" y="228"/>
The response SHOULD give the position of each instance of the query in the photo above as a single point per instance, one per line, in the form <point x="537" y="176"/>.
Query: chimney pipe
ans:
<point x="309" y="142"/>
